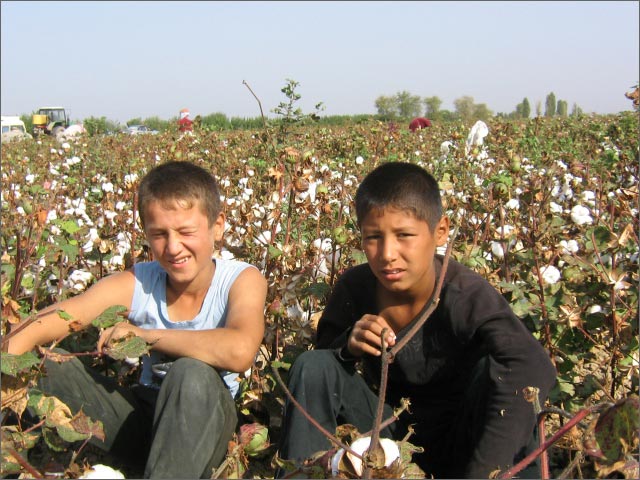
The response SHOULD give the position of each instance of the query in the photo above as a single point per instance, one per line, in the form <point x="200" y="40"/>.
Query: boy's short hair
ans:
<point x="181" y="182"/>
<point x="400" y="185"/>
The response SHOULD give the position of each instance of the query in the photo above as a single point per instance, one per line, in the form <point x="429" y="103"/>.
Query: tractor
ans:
<point x="50" y="120"/>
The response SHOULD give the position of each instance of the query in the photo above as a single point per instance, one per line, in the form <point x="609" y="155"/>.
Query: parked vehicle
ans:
<point x="50" y="120"/>
<point x="140" y="129"/>
<point x="13" y="128"/>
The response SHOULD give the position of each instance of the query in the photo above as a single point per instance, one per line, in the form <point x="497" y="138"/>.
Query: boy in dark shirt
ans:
<point x="464" y="371"/>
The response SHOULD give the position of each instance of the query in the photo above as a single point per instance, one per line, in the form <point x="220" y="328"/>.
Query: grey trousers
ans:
<point x="181" y="430"/>
<point x="333" y="393"/>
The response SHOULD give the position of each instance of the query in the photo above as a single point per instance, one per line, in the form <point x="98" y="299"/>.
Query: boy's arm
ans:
<point x="115" y="289"/>
<point x="232" y="347"/>
<point x="517" y="360"/>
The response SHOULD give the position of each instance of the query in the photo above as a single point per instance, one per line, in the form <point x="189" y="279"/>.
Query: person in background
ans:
<point x="464" y="370"/>
<point x="419" y="123"/>
<point x="185" y="124"/>
<point x="194" y="312"/>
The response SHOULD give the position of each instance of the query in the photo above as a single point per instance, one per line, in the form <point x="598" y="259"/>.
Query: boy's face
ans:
<point x="400" y="250"/>
<point x="182" y="240"/>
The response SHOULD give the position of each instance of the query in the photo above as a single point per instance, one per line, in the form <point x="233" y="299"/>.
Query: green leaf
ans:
<point x="53" y="441"/>
<point x="69" y="226"/>
<point x="602" y="236"/>
<point x="64" y="315"/>
<point x="276" y="364"/>
<point x="110" y="317"/>
<point x="69" y="434"/>
<point x="17" y="439"/>
<point x="7" y="464"/>
<point x="358" y="256"/>
<point x="616" y="430"/>
<point x="128" y="347"/>
<point x="566" y="387"/>
<point x="274" y="252"/>
<point x="14" y="364"/>
<point x="318" y="290"/>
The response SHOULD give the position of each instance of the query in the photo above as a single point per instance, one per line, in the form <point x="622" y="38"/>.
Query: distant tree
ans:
<point x="481" y="112"/>
<point x="409" y="106"/>
<point x="523" y="109"/>
<point x="576" y="111"/>
<point x="526" y="108"/>
<point x="387" y="107"/>
<point x="432" y="107"/>
<point x="215" y="121"/>
<point x="550" y="105"/>
<point x="447" y="116"/>
<point x="468" y="111"/>
<point x="562" y="108"/>
<point x="98" y="126"/>
<point x="28" y="121"/>
<point x="538" y="108"/>
<point x="156" y="123"/>
<point x="464" y="108"/>
<point x="134" y="121"/>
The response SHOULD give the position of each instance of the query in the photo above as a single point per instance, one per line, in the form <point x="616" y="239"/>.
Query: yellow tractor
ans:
<point x="50" y="120"/>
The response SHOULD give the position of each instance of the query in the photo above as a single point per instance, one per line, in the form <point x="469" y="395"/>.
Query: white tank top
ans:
<point x="149" y="309"/>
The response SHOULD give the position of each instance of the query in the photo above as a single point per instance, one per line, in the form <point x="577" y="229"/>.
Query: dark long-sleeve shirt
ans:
<point x="472" y="321"/>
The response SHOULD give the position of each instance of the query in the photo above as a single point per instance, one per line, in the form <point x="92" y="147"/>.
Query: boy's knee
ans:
<point x="314" y="363"/>
<point x="195" y="378"/>
<point x="315" y="371"/>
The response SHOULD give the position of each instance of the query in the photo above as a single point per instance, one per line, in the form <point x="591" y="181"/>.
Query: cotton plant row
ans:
<point x="549" y="223"/>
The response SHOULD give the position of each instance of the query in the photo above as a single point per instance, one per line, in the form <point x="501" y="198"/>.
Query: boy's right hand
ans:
<point x="365" y="336"/>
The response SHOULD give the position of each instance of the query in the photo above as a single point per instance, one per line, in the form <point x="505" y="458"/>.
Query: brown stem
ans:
<point x="24" y="464"/>
<point x="374" y="444"/>
<point x="554" y="438"/>
<point x="324" y="431"/>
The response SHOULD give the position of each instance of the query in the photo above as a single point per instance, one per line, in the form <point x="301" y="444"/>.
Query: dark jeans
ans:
<point x="333" y="393"/>
<point x="182" y="430"/>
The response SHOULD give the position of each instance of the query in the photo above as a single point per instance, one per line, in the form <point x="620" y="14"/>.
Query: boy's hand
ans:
<point x="119" y="330"/>
<point x="365" y="336"/>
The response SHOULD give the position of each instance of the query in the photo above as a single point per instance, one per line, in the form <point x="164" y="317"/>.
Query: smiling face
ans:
<point x="182" y="240"/>
<point x="400" y="250"/>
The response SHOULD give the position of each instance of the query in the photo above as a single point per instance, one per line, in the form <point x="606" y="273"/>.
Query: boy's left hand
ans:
<point x="365" y="336"/>
<point x="119" y="330"/>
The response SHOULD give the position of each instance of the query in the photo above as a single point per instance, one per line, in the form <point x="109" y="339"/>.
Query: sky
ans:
<point x="125" y="60"/>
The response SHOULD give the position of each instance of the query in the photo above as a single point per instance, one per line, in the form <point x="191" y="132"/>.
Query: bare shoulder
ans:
<point x="250" y="280"/>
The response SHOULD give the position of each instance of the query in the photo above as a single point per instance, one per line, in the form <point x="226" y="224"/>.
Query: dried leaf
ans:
<point x="83" y="424"/>
<point x="52" y="409"/>
<point x="55" y="356"/>
<point x="11" y="311"/>
<point x="624" y="238"/>
<point x="14" y="394"/>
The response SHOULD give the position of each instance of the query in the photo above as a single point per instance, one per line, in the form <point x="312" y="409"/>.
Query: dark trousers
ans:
<point x="181" y="430"/>
<point x="333" y="393"/>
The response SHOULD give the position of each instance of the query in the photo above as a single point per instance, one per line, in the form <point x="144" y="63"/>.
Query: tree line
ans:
<point x="404" y="105"/>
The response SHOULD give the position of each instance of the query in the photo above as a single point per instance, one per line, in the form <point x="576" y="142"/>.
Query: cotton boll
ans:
<point x="102" y="471"/>
<point x="360" y="445"/>
<point x="497" y="250"/>
<point x="580" y="215"/>
<point x="550" y="274"/>
<point x="569" y="247"/>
